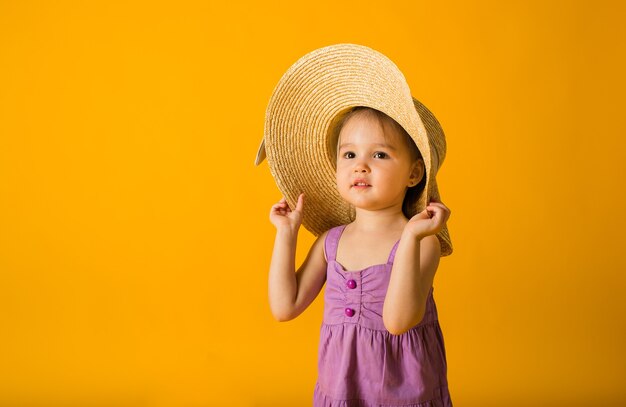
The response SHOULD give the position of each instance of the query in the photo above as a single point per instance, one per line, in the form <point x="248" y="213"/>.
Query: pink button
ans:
<point x="351" y="284"/>
<point x="349" y="312"/>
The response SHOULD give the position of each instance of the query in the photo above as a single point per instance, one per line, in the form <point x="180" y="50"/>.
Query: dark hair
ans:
<point x="413" y="193"/>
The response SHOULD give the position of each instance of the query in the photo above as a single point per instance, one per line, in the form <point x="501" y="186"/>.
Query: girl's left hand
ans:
<point x="430" y="221"/>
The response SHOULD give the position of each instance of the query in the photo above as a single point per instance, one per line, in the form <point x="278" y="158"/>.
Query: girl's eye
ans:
<point x="380" y="154"/>
<point x="349" y="154"/>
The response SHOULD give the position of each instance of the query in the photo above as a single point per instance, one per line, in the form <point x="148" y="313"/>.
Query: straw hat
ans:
<point x="301" y="135"/>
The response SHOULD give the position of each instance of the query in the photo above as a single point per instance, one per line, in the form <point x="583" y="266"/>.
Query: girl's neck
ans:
<point x="376" y="221"/>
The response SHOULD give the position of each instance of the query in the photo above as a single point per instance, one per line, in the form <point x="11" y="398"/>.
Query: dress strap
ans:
<point x="392" y="255"/>
<point x="332" y="241"/>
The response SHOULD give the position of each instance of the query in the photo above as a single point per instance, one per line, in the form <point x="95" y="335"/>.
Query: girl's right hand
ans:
<point x="282" y="216"/>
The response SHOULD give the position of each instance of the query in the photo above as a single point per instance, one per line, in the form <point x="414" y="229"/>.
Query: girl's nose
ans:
<point x="361" y="166"/>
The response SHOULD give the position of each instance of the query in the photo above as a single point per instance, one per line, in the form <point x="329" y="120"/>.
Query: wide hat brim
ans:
<point x="300" y="128"/>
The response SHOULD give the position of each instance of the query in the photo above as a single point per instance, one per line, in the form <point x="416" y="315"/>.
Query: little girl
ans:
<point x="381" y="342"/>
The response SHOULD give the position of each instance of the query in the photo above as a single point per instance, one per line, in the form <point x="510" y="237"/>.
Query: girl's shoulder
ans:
<point x="322" y="238"/>
<point x="333" y="232"/>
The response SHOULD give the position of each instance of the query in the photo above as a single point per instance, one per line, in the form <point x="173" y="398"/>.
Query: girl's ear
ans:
<point x="417" y="172"/>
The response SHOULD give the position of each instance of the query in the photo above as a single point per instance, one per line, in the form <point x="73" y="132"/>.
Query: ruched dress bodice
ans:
<point x="362" y="364"/>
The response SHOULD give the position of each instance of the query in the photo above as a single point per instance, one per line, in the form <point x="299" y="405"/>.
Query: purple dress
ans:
<point x="360" y="363"/>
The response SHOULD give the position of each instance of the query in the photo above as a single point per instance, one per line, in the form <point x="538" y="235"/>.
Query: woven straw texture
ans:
<point x="300" y="132"/>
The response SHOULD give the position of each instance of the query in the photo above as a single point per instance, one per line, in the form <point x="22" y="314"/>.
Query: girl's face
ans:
<point x="374" y="167"/>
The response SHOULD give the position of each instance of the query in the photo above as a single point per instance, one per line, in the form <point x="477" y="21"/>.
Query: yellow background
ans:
<point x="134" y="231"/>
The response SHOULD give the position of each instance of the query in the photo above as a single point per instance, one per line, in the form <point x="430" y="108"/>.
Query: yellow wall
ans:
<point x="134" y="230"/>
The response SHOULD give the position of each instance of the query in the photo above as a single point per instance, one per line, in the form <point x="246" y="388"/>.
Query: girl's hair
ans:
<point x="413" y="193"/>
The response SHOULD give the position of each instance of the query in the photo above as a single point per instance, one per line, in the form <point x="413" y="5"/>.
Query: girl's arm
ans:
<point x="412" y="275"/>
<point x="414" y="267"/>
<point x="291" y="291"/>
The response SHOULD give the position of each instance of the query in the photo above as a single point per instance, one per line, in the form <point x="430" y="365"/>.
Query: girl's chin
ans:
<point x="365" y="204"/>
<point x="368" y="203"/>
<point x="362" y="200"/>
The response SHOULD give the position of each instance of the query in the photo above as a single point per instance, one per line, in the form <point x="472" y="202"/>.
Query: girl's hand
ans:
<point x="282" y="216"/>
<point x="430" y="221"/>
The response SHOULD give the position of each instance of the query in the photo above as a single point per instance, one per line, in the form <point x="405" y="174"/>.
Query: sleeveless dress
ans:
<point x="360" y="363"/>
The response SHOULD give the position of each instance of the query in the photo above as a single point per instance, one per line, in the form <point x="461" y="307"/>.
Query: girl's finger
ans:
<point x="435" y="203"/>
<point x="440" y="216"/>
<point x="300" y="202"/>
<point x="434" y="208"/>
<point x="438" y="213"/>
<point x="433" y="213"/>
<point x="439" y="205"/>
